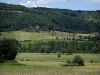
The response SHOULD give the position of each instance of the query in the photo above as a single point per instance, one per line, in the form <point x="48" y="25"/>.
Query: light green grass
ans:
<point x="36" y="37"/>
<point x="51" y="59"/>
<point x="21" y="35"/>
<point x="49" y="64"/>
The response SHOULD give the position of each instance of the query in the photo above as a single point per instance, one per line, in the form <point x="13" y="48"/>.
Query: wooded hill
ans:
<point x="18" y="17"/>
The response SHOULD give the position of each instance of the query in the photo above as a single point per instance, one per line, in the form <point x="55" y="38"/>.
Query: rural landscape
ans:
<point x="49" y="41"/>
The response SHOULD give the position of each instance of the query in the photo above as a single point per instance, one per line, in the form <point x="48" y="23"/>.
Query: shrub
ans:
<point x="58" y="54"/>
<point x="68" y="62"/>
<point x="96" y="62"/>
<point x="91" y="61"/>
<point x="78" y="60"/>
<point x="57" y="38"/>
<point x="22" y="60"/>
<point x="8" y="49"/>
<point x="27" y="59"/>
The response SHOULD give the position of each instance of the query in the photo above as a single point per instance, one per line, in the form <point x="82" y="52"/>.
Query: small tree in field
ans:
<point x="78" y="60"/>
<point x="8" y="49"/>
<point x="58" y="54"/>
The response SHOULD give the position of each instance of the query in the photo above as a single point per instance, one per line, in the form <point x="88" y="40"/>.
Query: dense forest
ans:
<point x="18" y="17"/>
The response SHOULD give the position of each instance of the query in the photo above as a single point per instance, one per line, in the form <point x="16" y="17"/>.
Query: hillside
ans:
<point x="17" y="17"/>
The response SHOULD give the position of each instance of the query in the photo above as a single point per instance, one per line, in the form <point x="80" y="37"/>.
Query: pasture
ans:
<point x="49" y="64"/>
<point x="43" y="59"/>
<point x="34" y="36"/>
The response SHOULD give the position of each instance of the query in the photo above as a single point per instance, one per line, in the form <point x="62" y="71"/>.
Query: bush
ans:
<point x="27" y="59"/>
<point x="57" y="38"/>
<point x="78" y="60"/>
<point x="8" y="49"/>
<point x="96" y="62"/>
<point x="91" y="61"/>
<point x="68" y="62"/>
<point x="22" y="60"/>
<point x="59" y="55"/>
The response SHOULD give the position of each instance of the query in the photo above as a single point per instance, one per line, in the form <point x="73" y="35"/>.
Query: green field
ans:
<point x="51" y="59"/>
<point x="49" y="64"/>
<point x="21" y="35"/>
<point x="35" y="37"/>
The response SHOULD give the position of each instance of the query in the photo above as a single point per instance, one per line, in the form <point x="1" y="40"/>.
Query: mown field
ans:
<point x="49" y="64"/>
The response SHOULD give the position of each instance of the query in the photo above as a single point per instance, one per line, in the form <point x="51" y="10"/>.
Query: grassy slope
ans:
<point x="19" y="35"/>
<point x="36" y="37"/>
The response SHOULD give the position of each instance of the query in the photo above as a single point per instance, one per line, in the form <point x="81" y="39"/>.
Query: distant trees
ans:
<point x="8" y="49"/>
<point x="95" y="49"/>
<point x="37" y="29"/>
<point x="64" y="46"/>
<point x="44" y="49"/>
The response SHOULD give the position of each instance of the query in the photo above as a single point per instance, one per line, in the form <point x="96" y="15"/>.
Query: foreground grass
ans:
<point x="6" y="69"/>
<point x="49" y="64"/>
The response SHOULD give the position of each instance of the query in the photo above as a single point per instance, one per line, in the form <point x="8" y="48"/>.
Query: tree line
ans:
<point x="63" y="46"/>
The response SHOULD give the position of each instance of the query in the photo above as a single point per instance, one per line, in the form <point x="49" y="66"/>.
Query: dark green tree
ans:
<point x="8" y="49"/>
<point x="78" y="60"/>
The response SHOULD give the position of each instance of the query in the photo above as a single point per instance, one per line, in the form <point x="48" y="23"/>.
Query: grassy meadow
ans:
<point x="43" y="59"/>
<point x="35" y="37"/>
<point x="50" y="64"/>
<point x="47" y="64"/>
<point x="42" y="35"/>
